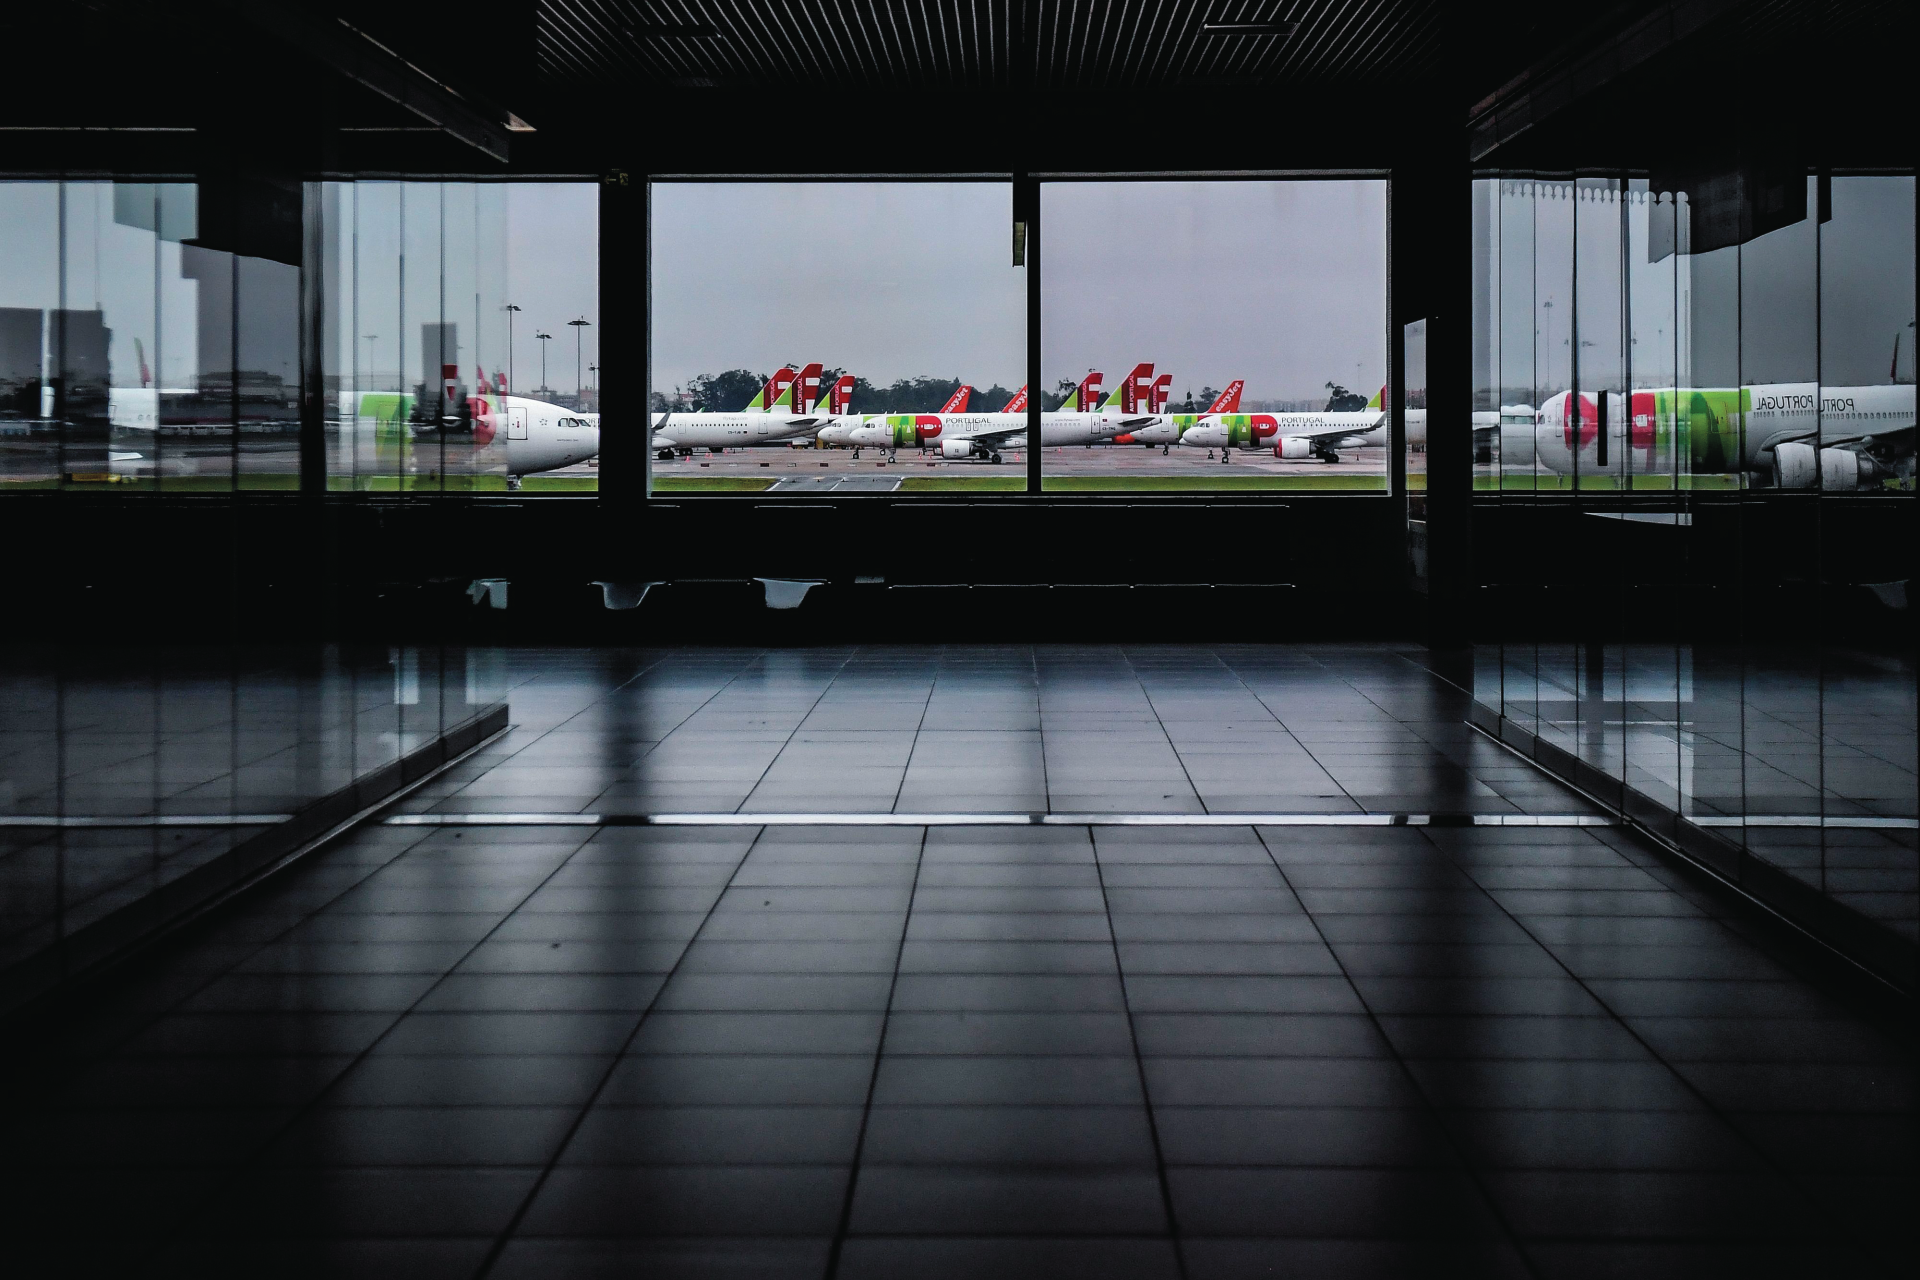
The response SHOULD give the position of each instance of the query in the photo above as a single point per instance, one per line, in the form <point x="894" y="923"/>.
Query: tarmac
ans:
<point x="820" y="470"/>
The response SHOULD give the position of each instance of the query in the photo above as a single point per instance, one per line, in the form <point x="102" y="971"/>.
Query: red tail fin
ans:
<point x="775" y="388"/>
<point x="1160" y="393"/>
<point x="1019" y="402"/>
<point x="1089" y="397"/>
<point x="1228" y="401"/>
<point x="840" y="394"/>
<point x="957" y="402"/>
<point x="1137" y="388"/>
<point x="500" y="381"/>
<point x="806" y="396"/>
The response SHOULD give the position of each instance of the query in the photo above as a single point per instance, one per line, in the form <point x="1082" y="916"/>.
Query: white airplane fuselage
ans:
<point x="1270" y="430"/>
<point x="685" y="431"/>
<point x="1753" y="423"/>
<point x="509" y="434"/>
<point x="1007" y="429"/>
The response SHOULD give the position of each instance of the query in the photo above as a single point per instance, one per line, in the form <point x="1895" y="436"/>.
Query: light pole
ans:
<point x="578" y="326"/>
<point x="511" y="310"/>
<point x="545" y="338"/>
<point x="594" y="369"/>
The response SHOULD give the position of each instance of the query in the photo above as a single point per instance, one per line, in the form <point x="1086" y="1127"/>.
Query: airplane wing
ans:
<point x="1333" y="433"/>
<point x="1000" y="438"/>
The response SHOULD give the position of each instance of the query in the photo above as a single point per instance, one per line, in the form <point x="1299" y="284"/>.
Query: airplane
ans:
<point x="984" y="435"/>
<point x="1294" y="435"/>
<point x="518" y="434"/>
<point x="501" y="433"/>
<point x="782" y="412"/>
<point x="833" y="433"/>
<point x="840" y="434"/>
<point x="1793" y="435"/>
<point x="1171" y="427"/>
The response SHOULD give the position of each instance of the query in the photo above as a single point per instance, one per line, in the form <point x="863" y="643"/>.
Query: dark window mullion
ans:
<point x="1026" y="206"/>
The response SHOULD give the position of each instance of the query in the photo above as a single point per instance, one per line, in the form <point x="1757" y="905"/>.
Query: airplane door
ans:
<point x="517" y="424"/>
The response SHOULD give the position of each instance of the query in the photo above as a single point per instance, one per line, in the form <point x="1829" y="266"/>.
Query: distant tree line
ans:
<point x="735" y="389"/>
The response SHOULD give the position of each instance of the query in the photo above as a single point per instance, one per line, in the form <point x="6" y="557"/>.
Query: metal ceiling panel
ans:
<point x="1070" y="45"/>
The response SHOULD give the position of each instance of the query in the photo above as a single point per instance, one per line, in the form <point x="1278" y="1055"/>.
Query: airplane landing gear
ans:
<point x="1226" y="456"/>
<point x="663" y="455"/>
<point x="513" y="484"/>
<point x="1209" y="455"/>
<point x="993" y="458"/>
<point x="1163" y="450"/>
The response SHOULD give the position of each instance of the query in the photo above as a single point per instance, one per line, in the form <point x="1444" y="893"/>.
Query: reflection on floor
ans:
<point x="1073" y="729"/>
<point x="1811" y="760"/>
<point x="218" y="745"/>
<point x="1082" y="1050"/>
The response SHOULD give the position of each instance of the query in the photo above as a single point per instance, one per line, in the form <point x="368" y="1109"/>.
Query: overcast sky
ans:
<point x="553" y="274"/>
<point x="1280" y="283"/>
<point x="889" y="280"/>
<point x="1283" y="284"/>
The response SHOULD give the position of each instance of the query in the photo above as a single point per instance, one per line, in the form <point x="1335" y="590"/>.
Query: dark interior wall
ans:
<point x="274" y="567"/>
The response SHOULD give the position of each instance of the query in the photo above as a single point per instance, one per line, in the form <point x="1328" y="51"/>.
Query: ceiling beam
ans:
<point x="364" y="60"/>
<point x="1579" y="66"/>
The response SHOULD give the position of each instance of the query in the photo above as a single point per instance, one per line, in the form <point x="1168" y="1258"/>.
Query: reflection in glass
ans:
<point x="1713" y="412"/>
<point x="424" y="387"/>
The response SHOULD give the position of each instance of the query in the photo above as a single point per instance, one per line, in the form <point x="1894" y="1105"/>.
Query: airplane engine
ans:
<point x="1795" y="465"/>
<point x="1840" y="469"/>
<point x="1293" y="448"/>
<point x="1850" y="469"/>
<point x="954" y="450"/>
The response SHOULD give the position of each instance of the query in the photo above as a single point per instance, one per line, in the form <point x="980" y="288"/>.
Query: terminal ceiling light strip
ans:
<point x="998" y="820"/>
<point x="148" y="820"/>
<point x="1248" y="28"/>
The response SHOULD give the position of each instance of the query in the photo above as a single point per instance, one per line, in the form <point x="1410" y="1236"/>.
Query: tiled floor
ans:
<point x="1066" y="729"/>
<point x="1077" y="1050"/>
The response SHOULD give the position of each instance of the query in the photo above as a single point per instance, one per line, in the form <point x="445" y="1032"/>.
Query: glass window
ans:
<point x="836" y="337"/>
<point x="1214" y="335"/>
<point x="1709" y="497"/>
<point x="116" y="338"/>
<point x="443" y="303"/>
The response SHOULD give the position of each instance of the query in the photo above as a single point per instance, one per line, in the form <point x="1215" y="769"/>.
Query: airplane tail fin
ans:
<point x="500" y="382"/>
<point x="770" y="394"/>
<point x="146" y="374"/>
<point x="1088" y="396"/>
<point x="806" y="389"/>
<point x="1126" y="397"/>
<point x="840" y="395"/>
<point x="1159" y="393"/>
<point x="1019" y="402"/>
<point x="1379" y="398"/>
<point x="957" y="402"/>
<point x="1228" y="401"/>
<point x="802" y="392"/>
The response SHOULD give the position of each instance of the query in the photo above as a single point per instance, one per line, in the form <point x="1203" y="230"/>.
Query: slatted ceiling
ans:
<point x="1073" y="45"/>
